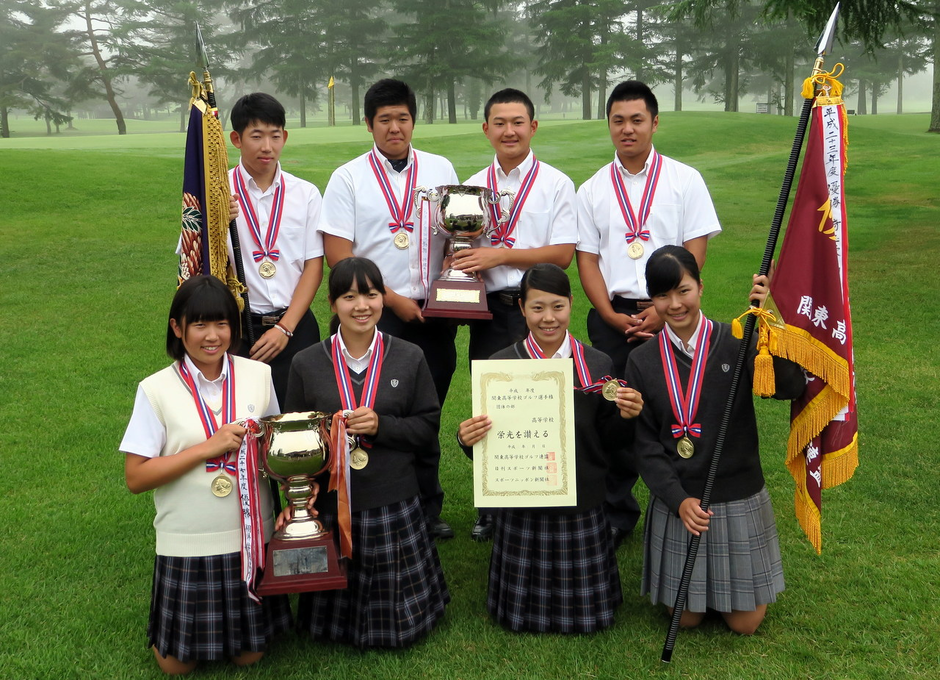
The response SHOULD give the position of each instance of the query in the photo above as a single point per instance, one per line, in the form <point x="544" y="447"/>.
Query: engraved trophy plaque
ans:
<point x="294" y="448"/>
<point x="463" y="213"/>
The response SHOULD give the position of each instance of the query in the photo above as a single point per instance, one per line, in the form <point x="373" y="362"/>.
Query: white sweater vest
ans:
<point x="190" y="521"/>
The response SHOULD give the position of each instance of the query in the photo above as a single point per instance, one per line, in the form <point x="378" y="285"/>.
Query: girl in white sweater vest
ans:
<point x="182" y="442"/>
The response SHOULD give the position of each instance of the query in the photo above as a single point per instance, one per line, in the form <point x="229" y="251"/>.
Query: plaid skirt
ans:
<point x="553" y="573"/>
<point x="200" y="610"/>
<point x="396" y="591"/>
<point x="738" y="565"/>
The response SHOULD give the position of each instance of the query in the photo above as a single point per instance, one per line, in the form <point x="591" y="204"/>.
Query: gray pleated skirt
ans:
<point x="738" y="566"/>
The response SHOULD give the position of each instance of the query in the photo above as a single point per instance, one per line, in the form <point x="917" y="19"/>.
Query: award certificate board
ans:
<point x="527" y="458"/>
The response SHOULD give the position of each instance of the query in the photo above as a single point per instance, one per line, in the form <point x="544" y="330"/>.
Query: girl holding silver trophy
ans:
<point x="396" y="591"/>
<point x="181" y="443"/>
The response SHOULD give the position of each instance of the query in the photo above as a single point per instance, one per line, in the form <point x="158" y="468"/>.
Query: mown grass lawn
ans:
<point x="88" y="226"/>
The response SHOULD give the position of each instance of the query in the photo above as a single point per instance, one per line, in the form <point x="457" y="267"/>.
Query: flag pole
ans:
<point x="823" y="47"/>
<point x="249" y="331"/>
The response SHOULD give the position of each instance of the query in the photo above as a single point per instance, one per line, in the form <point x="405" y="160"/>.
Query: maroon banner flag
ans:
<point x="810" y="296"/>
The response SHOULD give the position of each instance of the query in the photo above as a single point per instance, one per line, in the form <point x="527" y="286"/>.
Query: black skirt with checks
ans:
<point x="396" y="591"/>
<point x="553" y="573"/>
<point x="200" y="610"/>
<point x="738" y="565"/>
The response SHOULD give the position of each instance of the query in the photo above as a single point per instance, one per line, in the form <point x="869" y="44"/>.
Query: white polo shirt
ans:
<point x="354" y="208"/>
<point x="298" y="239"/>
<point x="682" y="210"/>
<point x="548" y="216"/>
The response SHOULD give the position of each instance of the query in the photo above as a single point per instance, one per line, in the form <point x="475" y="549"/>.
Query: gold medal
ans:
<point x="610" y="390"/>
<point x="402" y="241"/>
<point x="685" y="447"/>
<point x="635" y="250"/>
<point x="221" y="486"/>
<point x="358" y="459"/>
<point x="267" y="269"/>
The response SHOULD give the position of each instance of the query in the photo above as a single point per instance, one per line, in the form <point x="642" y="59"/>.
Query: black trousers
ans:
<point x="435" y="337"/>
<point x="506" y="328"/>
<point x="306" y="334"/>
<point x="622" y="507"/>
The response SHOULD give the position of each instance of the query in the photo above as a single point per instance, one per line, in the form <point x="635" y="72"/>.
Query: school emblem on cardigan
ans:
<point x="725" y="367"/>
<point x="394" y="382"/>
<point x="251" y="408"/>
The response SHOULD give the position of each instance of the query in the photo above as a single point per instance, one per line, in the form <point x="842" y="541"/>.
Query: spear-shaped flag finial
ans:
<point x="824" y="44"/>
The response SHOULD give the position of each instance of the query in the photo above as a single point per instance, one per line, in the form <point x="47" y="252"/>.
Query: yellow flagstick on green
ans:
<point x="332" y="112"/>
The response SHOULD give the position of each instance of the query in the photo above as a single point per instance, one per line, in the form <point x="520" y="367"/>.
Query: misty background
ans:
<point x="62" y="61"/>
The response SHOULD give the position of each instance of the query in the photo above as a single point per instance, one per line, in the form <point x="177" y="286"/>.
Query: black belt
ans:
<point x="508" y="296"/>
<point x="268" y="318"/>
<point x="632" y="302"/>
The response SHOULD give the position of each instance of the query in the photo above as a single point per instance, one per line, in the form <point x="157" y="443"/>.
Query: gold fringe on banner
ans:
<point x="837" y="467"/>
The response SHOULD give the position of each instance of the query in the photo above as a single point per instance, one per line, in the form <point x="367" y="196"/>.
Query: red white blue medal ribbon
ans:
<point x="400" y="213"/>
<point x="577" y="353"/>
<point x="207" y="417"/>
<point x="344" y="383"/>
<point x="249" y="497"/>
<point x="685" y="405"/>
<point x="598" y="386"/>
<point x="503" y="235"/>
<point x="266" y="248"/>
<point x="636" y="227"/>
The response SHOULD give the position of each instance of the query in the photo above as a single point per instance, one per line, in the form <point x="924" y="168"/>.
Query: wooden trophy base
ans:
<point x="457" y="300"/>
<point x="299" y="566"/>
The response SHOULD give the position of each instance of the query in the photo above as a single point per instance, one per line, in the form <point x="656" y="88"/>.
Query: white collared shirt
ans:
<point x="146" y="436"/>
<point x="682" y="210"/>
<point x="548" y="217"/>
<point x="354" y="208"/>
<point x="688" y="349"/>
<point x="356" y="364"/>
<point x="298" y="238"/>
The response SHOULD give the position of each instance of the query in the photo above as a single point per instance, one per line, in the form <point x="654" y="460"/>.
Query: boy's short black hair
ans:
<point x="201" y="298"/>
<point x="630" y="90"/>
<point x="260" y="107"/>
<point x="389" y="92"/>
<point x="509" y="96"/>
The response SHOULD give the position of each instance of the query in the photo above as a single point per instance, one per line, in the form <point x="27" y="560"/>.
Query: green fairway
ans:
<point x="89" y="224"/>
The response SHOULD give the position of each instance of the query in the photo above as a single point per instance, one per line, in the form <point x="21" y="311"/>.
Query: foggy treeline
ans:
<point x="130" y="58"/>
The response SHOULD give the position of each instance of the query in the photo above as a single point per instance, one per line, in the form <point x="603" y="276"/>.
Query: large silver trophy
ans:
<point x="294" y="449"/>
<point x="463" y="213"/>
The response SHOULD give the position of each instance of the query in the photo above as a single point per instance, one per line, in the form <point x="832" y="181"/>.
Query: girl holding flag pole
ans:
<point x="554" y="569"/>
<point x="181" y="443"/>
<point x="685" y="375"/>
<point x="396" y="592"/>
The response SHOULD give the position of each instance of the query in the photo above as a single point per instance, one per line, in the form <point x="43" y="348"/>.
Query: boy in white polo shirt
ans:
<point x="542" y="227"/>
<point x="368" y="211"/>
<point x="282" y="251"/>
<point x="629" y="208"/>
